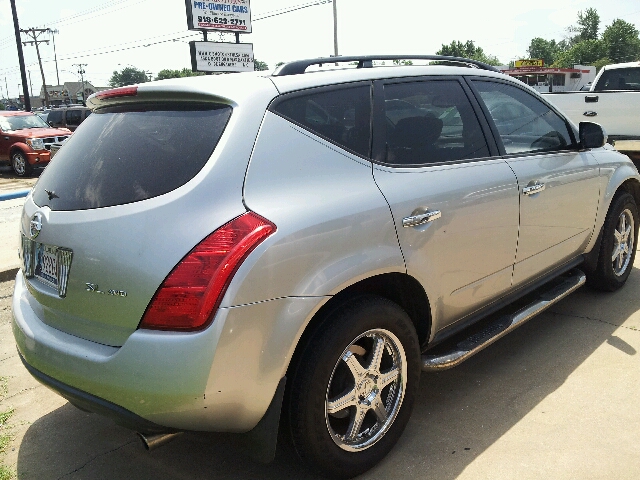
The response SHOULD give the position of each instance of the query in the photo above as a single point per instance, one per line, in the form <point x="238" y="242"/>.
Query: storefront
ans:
<point x="545" y="79"/>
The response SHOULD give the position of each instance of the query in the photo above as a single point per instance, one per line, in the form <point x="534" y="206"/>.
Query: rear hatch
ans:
<point x="147" y="177"/>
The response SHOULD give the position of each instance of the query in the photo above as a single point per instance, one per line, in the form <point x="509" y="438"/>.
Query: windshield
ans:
<point x="20" y="122"/>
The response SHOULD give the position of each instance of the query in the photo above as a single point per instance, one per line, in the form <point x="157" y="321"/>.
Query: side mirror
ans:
<point x="592" y="135"/>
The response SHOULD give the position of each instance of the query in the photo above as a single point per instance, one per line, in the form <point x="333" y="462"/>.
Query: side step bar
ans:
<point x="503" y="325"/>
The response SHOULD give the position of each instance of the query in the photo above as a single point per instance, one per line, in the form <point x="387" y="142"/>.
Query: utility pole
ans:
<point x="81" y="72"/>
<point x="30" y="84"/>
<point x="35" y="33"/>
<point x="55" y="56"/>
<point x="23" y="71"/>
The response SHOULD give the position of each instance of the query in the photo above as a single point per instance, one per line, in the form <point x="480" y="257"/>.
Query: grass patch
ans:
<point x="6" y="473"/>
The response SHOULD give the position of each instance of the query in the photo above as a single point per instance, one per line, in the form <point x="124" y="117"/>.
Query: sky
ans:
<point x="152" y="35"/>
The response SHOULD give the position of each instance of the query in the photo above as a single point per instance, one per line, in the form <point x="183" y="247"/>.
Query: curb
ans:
<point x="15" y="194"/>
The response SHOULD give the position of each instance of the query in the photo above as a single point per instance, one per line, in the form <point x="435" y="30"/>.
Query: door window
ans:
<point x="524" y="123"/>
<point x="620" y="79"/>
<point x="342" y="116"/>
<point x="73" y="117"/>
<point x="430" y="122"/>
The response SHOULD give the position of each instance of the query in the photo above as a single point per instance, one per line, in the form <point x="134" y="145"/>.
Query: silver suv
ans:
<point x="243" y="253"/>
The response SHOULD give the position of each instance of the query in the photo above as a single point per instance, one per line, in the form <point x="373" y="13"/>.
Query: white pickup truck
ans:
<point x="613" y="101"/>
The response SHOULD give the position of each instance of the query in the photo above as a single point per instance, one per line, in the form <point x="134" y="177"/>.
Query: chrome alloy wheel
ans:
<point x="623" y="242"/>
<point x="365" y="390"/>
<point x="19" y="164"/>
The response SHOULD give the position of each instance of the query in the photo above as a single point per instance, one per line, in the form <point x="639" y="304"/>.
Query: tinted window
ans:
<point x="55" y="116"/>
<point x="342" y="116"/>
<point x="429" y="122"/>
<point x="73" y="117"/>
<point x="120" y="157"/>
<point x="620" y="79"/>
<point x="525" y="124"/>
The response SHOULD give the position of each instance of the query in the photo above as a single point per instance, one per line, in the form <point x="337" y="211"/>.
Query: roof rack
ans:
<point x="299" y="66"/>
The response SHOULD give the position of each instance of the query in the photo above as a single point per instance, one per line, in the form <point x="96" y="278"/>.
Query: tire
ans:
<point x="20" y="165"/>
<point x="618" y="247"/>
<point x="354" y="386"/>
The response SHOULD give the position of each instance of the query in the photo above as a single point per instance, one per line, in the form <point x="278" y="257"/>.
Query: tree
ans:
<point x="587" y="52"/>
<point x="402" y="62"/>
<point x="547" y="50"/>
<point x="185" y="72"/>
<point x="128" y="76"/>
<point x="467" y="50"/>
<point x="259" y="66"/>
<point x="588" y="26"/>
<point x="621" y="41"/>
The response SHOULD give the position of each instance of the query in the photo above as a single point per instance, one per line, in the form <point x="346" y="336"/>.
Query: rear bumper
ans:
<point x="221" y="379"/>
<point x="90" y="403"/>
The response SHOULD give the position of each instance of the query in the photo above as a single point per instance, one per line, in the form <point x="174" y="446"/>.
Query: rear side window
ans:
<point x="430" y="122"/>
<point x="342" y="116"/>
<point x="120" y="157"/>
<point x="620" y="79"/>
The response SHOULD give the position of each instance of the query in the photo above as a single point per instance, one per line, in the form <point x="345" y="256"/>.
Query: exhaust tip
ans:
<point x="151" y="442"/>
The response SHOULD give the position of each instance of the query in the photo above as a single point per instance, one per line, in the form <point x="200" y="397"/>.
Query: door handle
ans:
<point x="591" y="98"/>
<point x="533" y="189"/>
<point x="416" y="220"/>
<point x="590" y="113"/>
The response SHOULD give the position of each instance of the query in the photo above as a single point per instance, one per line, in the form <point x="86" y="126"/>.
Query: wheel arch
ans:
<point x="16" y="147"/>
<point x="400" y="288"/>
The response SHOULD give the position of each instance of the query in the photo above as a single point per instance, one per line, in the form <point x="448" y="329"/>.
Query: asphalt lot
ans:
<point x="556" y="399"/>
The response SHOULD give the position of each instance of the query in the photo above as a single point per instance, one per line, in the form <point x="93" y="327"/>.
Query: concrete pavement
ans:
<point x="555" y="399"/>
<point x="10" y="211"/>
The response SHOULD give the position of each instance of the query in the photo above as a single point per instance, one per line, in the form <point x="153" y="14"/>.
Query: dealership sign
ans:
<point x="221" y="57"/>
<point x="532" y="62"/>
<point x="219" y="15"/>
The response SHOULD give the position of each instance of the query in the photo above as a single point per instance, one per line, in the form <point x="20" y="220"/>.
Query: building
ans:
<point x="547" y="79"/>
<point x="70" y="92"/>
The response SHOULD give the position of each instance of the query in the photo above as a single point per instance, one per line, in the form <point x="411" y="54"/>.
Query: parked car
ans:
<point x="613" y="101"/>
<point x="223" y="253"/>
<point x="25" y="140"/>
<point x="69" y="117"/>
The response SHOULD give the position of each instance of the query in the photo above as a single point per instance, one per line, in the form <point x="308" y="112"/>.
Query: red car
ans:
<point x="25" y="140"/>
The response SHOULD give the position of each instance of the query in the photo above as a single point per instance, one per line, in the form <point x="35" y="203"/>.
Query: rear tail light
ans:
<point x="193" y="290"/>
<point x="118" y="92"/>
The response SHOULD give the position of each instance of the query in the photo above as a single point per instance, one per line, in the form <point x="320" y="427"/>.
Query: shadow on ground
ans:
<point x="459" y="413"/>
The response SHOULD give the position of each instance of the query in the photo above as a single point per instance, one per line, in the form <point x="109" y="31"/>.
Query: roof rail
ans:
<point x="366" y="61"/>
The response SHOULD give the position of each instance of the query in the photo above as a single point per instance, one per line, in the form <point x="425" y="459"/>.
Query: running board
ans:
<point x="503" y="325"/>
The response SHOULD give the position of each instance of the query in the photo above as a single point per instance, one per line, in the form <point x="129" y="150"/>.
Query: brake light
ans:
<point x="118" y="92"/>
<point x="193" y="290"/>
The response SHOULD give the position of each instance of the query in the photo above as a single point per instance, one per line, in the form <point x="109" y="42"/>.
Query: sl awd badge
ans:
<point x="93" y="288"/>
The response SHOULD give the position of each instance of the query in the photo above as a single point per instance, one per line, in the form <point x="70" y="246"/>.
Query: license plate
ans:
<point x="46" y="264"/>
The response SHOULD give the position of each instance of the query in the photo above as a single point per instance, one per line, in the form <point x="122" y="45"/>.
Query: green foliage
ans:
<point x="128" y="76"/>
<point x="622" y="41"/>
<point x="402" y="62"/>
<point x="588" y="26"/>
<point x="185" y="72"/>
<point x="586" y="52"/>
<point x="467" y="50"/>
<point x="279" y="63"/>
<point x="1" y="106"/>
<point x="259" y="66"/>
<point x="547" y="50"/>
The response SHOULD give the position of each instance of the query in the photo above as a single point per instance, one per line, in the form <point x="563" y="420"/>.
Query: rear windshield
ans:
<point x="117" y="157"/>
